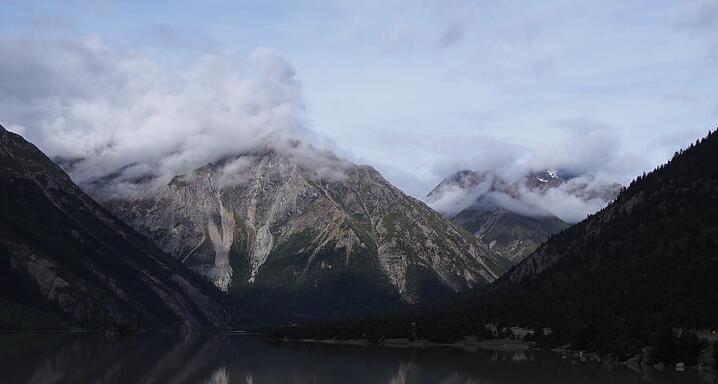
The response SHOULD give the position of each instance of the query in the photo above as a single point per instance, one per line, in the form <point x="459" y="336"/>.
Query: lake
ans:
<point x="56" y="357"/>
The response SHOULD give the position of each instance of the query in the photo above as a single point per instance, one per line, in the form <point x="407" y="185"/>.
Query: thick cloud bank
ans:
<point x="543" y="194"/>
<point x="105" y="112"/>
<point x="590" y="162"/>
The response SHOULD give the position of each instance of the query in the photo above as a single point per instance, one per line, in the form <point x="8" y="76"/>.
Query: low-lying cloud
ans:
<point x="117" y="119"/>
<point x="590" y="160"/>
<point x="570" y="201"/>
<point x="107" y="112"/>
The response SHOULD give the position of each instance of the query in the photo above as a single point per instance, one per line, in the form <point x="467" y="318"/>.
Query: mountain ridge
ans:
<point x="66" y="262"/>
<point x="282" y="231"/>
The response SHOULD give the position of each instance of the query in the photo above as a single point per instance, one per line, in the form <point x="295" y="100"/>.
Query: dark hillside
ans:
<point x="66" y="262"/>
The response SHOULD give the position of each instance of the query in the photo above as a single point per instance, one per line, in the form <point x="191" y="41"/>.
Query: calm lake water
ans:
<point x="91" y="358"/>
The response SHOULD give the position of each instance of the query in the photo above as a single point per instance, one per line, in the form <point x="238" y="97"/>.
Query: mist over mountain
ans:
<point x="536" y="194"/>
<point x="515" y="217"/>
<point x="215" y="163"/>
<point x="103" y="110"/>
<point x="107" y="114"/>
<point x="267" y="228"/>
<point x="151" y="144"/>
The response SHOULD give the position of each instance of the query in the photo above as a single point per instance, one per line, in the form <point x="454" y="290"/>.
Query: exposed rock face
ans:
<point x="65" y="261"/>
<point x="482" y="203"/>
<point x="507" y="233"/>
<point x="322" y="246"/>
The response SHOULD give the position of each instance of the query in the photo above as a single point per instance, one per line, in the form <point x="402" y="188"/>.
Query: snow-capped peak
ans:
<point x="553" y="173"/>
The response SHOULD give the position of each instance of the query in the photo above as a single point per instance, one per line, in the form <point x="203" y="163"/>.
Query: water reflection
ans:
<point x="162" y="358"/>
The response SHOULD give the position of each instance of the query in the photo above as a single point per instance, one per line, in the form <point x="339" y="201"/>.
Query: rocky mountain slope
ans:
<point x="66" y="262"/>
<point x="494" y="210"/>
<point x="509" y="234"/>
<point x="326" y="241"/>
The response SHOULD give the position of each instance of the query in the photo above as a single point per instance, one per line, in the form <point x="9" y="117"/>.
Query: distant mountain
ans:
<point x="507" y="233"/>
<point x="270" y="229"/>
<point x="495" y="210"/>
<point x="66" y="262"/>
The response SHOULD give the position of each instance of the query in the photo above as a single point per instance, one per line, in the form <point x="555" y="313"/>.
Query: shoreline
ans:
<point x="499" y="345"/>
<point x="502" y="345"/>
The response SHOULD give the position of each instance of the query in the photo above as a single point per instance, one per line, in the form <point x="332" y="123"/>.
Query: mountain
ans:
<point x="507" y="233"/>
<point x="622" y="279"/>
<point x="647" y="261"/>
<point x="67" y="262"/>
<point x="506" y="215"/>
<point x="313" y="241"/>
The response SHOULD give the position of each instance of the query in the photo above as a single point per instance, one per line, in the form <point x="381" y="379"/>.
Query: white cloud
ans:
<point x="566" y="202"/>
<point x="570" y="201"/>
<point x="455" y="199"/>
<point x="124" y="114"/>
<point x="591" y="158"/>
<point x="589" y="147"/>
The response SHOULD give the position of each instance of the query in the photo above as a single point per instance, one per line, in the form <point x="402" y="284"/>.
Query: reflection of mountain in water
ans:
<point x="42" y="358"/>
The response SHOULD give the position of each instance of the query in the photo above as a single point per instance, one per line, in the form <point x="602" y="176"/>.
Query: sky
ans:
<point x="417" y="89"/>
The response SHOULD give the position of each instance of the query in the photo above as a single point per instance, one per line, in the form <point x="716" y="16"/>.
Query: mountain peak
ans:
<point x="318" y="234"/>
<point x="544" y="179"/>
